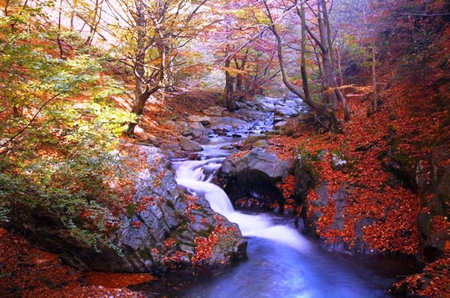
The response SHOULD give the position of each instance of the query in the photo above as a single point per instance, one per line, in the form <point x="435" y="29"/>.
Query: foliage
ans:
<point x="59" y="156"/>
<point x="29" y="272"/>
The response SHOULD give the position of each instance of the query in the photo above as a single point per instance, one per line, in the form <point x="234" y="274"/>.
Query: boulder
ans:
<point x="279" y="124"/>
<point x="253" y="175"/>
<point x="286" y="111"/>
<point x="261" y="144"/>
<point x="194" y="129"/>
<point x="266" y="104"/>
<point x="204" y="120"/>
<point x="189" y="145"/>
<point x="252" y="138"/>
<point x="215" y="111"/>
<point x="159" y="228"/>
<point x="140" y="133"/>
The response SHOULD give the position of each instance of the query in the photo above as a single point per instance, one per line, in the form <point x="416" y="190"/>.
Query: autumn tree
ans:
<point x="147" y="37"/>
<point x="326" y="106"/>
<point x="243" y="49"/>
<point x="58" y="155"/>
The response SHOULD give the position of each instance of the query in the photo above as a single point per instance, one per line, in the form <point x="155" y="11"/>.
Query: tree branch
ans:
<point x="29" y="123"/>
<point x="259" y="34"/>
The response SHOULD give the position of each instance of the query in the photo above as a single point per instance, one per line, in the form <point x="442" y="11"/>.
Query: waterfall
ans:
<point x="195" y="176"/>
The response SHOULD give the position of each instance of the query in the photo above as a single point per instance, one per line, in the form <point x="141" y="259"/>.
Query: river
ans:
<point x="281" y="261"/>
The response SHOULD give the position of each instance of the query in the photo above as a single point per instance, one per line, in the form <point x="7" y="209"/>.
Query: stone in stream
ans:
<point x="189" y="145"/>
<point x="253" y="175"/>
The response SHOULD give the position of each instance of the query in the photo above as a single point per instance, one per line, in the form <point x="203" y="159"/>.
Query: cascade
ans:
<point x="191" y="175"/>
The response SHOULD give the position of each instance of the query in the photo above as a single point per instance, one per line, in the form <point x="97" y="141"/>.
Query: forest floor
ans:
<point x="416" y="118"/>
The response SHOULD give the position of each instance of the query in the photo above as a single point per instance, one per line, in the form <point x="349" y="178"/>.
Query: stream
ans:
<point x="280" y="262"/>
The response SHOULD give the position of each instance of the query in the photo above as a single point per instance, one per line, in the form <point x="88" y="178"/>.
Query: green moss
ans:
<point x="131" y="210"/>
<point x="145" y="254"/>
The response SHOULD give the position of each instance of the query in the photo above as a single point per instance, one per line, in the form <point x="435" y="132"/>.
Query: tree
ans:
<point x="243" y="50"/>
<point x="322" y="107"/>
<point x="331" y="93"/>
<point x="58" y="157"/>
<point x="147" y="38"/>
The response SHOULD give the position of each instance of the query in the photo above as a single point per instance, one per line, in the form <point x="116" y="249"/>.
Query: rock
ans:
<point x="156" y="230"/>
<point x="215" y="111"/>
<point x="140" y="133"/>
<point x="432" y="177"/>
<point x="154" y="141"/>
<point x="286" y="111"/>
<point x="261" y="144"/>
<point x="252" y="138"/>
<point x="204" y="120"/>
<point x="227" y="147"/>
<point x="361" y="245"/>
<point x="228" y="123"/>
<point x="279" y="124"/>
<point x="250" y="104"/>
<point x="338" y="163"/>
<point x="189" y="145"/>
<point x="266" y="104"/>
<point x="251" y="114"/>
<point x="195" y="129"/>
<point x="253" y="175"/>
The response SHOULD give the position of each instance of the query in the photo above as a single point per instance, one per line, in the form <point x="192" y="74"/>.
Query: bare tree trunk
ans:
<point x="331" y="90"/>
<point x="228" y="94"/>
<point x="139" y="105"/>
<point x="95" y="22"/>
<point x="304" y="75"/>
<point x="58" y="38"/>
<point x="341" y="76"/>
<point x="142" y="90"/>
<point x="240" y="76"/>
<point x="330" y="96"/>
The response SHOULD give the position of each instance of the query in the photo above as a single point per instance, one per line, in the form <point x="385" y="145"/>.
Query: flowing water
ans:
<point x="281" y="262"/>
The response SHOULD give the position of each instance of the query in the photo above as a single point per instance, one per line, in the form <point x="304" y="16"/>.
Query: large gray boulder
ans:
<point x="158" y="229"/>
<point x="188" y="145"/>
<point x="253" y="175"/>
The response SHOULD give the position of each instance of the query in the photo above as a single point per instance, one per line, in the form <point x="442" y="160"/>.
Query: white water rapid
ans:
<point x="195" y="176"/>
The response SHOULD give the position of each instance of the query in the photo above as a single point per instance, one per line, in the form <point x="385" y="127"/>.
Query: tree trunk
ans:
<point x="305" y="83"/>
<point x="321" y="109"/>
<point x="229" y="99"/>
<point x="94" y="22"/>
<point x="142" y="91"/>
<point x="329" y="95"/>
<point x="139" y="105"/>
